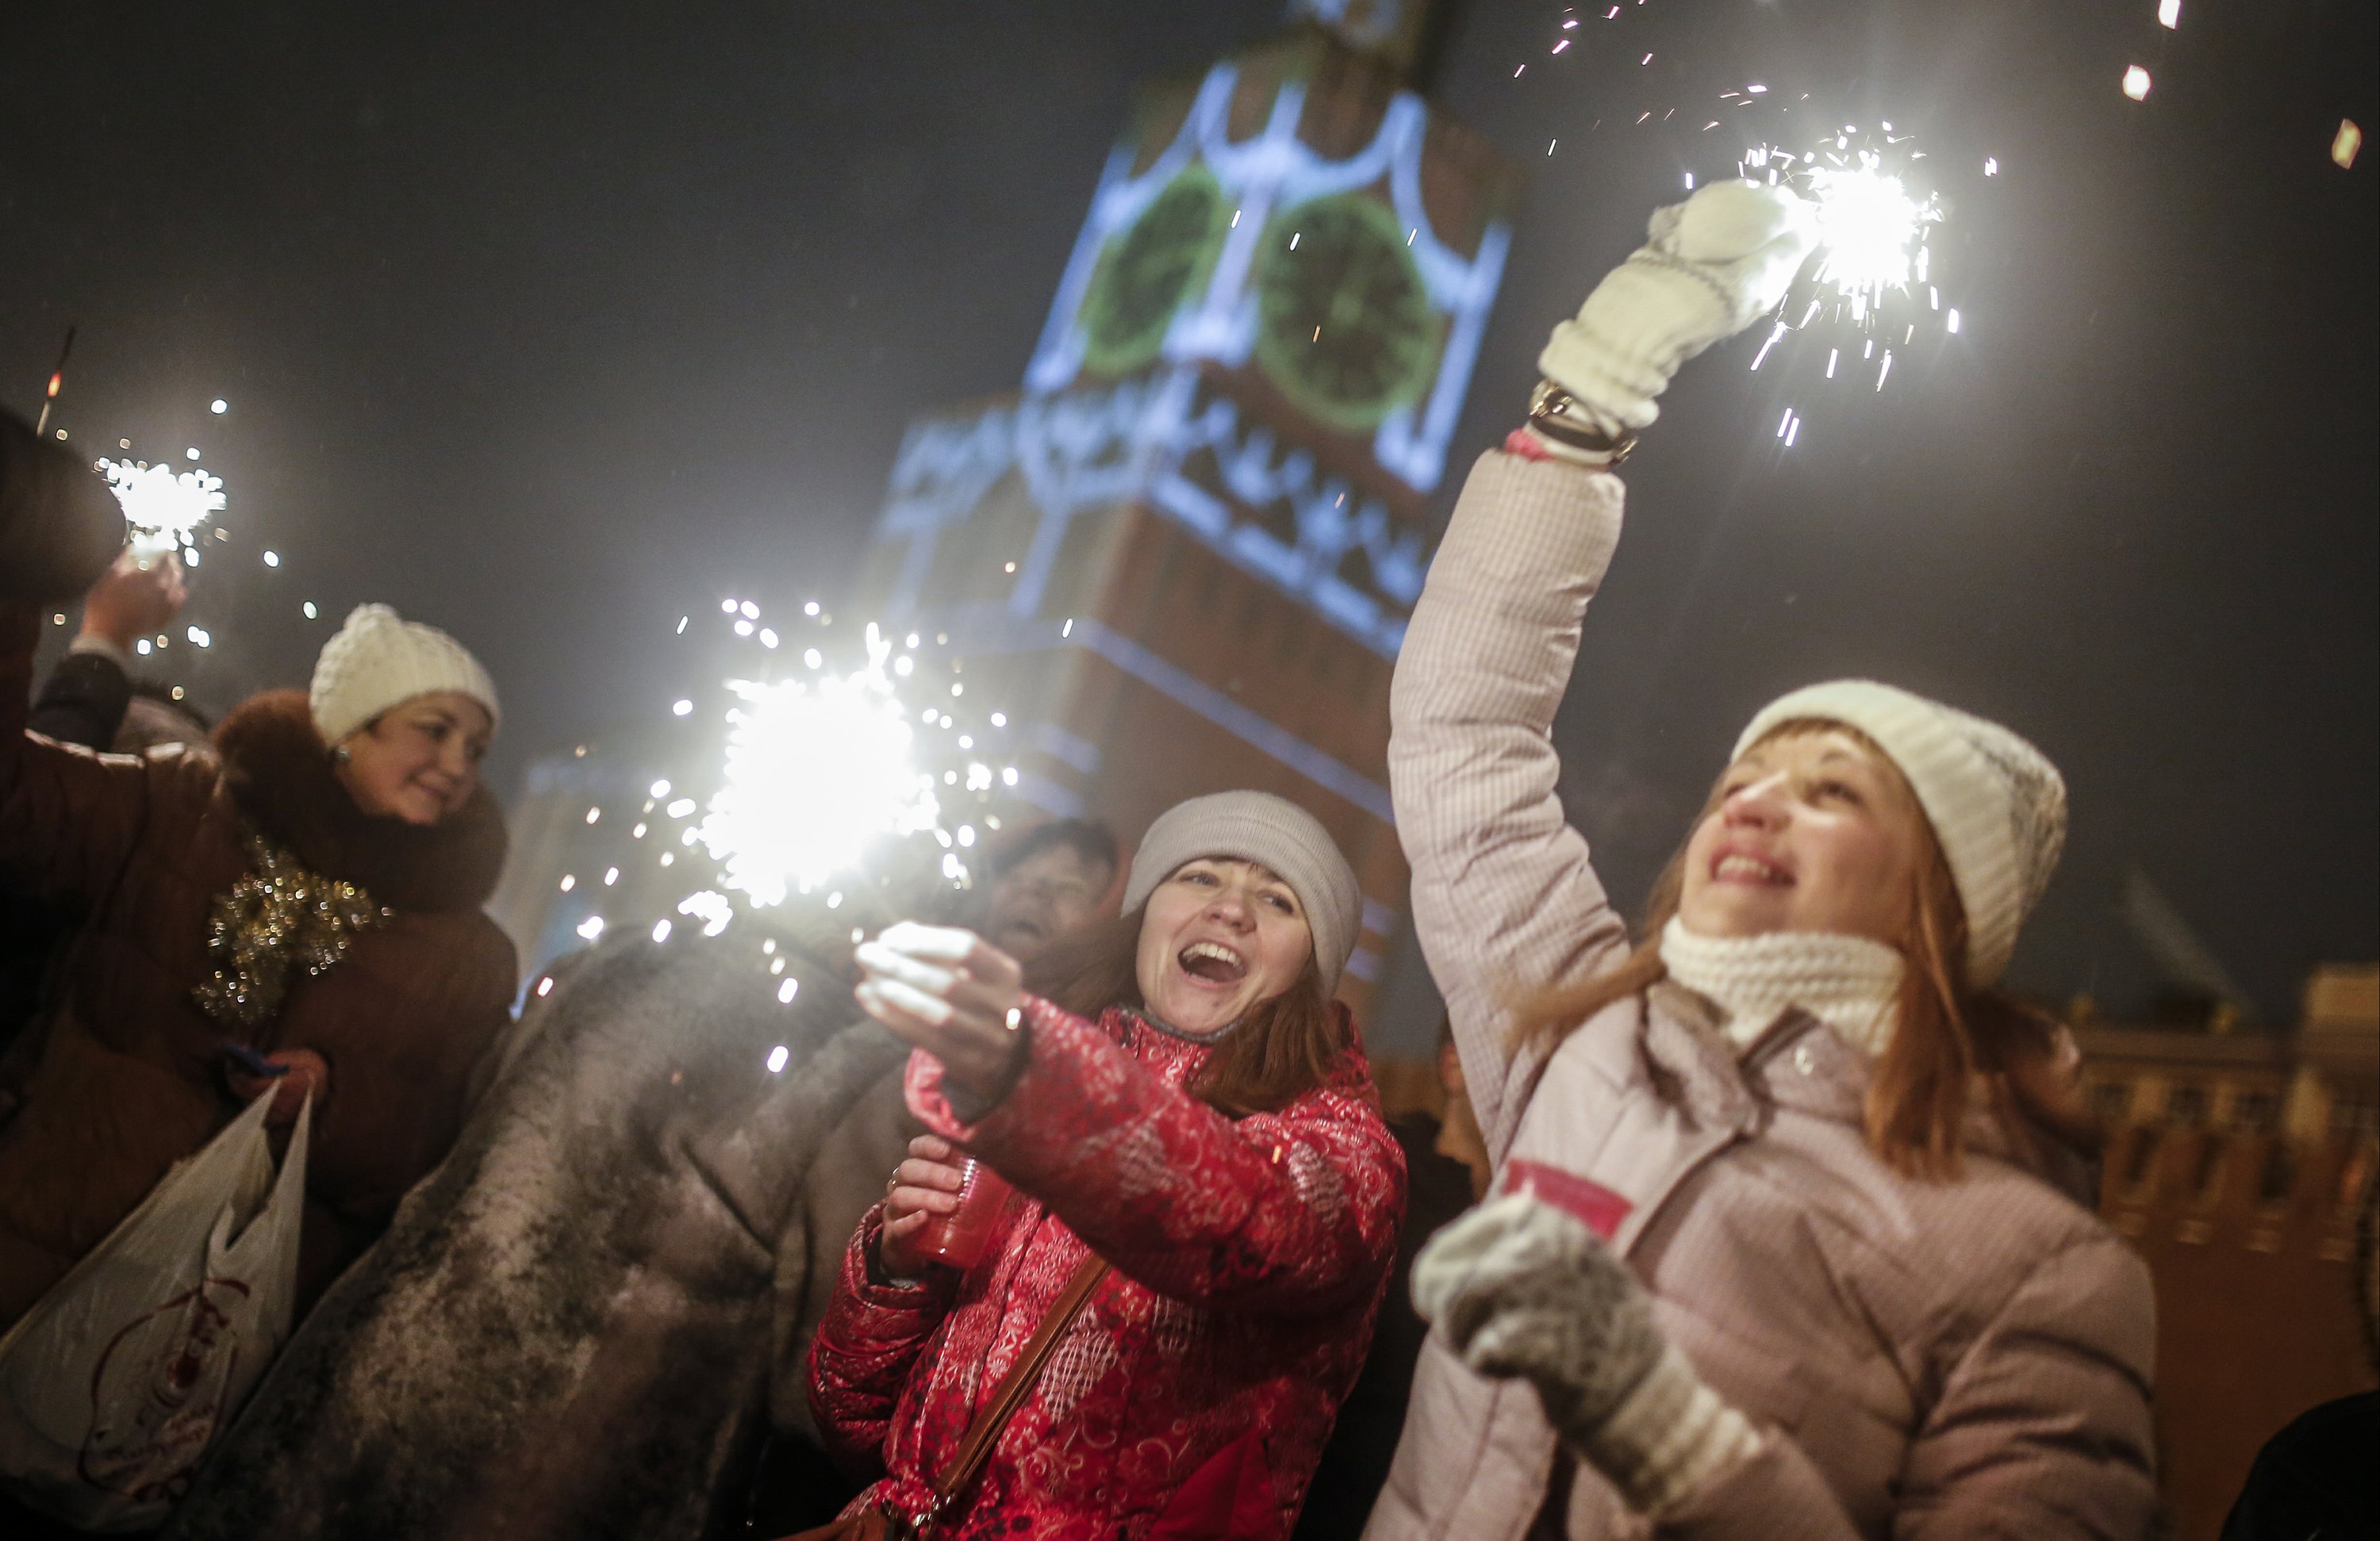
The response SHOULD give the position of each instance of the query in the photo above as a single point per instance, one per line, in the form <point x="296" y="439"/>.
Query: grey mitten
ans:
<point x="1713" y="263"/>
<point x="1522" y="1289"/>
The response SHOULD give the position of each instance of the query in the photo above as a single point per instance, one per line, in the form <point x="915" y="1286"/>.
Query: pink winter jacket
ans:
<point x="1193" y="1395"/>
<point x="1963" y="1359"/>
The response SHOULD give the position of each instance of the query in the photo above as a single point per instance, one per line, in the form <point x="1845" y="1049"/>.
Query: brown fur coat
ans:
<point x="120" y="1078"/>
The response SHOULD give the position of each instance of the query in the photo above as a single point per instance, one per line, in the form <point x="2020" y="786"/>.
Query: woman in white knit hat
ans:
<point x="295" y="906"/>
<point x="1791" y="1245"/>
<point x="1176" y="1095"/>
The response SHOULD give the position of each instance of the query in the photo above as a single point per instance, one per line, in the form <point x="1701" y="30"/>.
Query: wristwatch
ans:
<point x="1562" y="419"/>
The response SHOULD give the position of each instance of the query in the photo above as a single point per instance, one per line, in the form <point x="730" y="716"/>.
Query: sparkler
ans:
<point x="1873" y="280"/>
<point x="816" y="771"/>
<point x="837" y="791"/>
<point x="57" y="382"/>
<point x="164" y="507"/>
<point x="1869" y="227"/>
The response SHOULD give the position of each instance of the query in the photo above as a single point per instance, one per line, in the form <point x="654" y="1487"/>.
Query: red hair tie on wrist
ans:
<point x="1527" y="445"/>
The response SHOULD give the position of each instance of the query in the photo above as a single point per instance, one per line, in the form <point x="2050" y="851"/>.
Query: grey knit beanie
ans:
<point x="1259" y="827"/>
<point x="1996" y="804"/>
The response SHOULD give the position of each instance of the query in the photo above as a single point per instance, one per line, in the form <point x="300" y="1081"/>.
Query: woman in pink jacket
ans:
<point x="1182" y="1098"/>
<point x="1792" y="1246"/>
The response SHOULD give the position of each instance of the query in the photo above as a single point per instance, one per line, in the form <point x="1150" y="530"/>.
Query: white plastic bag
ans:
<point x="113" y="1385"/>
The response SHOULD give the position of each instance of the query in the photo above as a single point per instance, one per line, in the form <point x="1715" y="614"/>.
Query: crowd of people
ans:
<point x="1772" y="1211"/>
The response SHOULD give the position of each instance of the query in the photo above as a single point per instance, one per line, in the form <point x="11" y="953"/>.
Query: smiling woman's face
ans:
<point x="1218" y="938"/>
<point x="1812" y="831"/>
<point x="420" y="759"/>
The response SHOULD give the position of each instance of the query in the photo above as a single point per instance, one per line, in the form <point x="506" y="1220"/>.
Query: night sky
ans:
<point x="551" y="323"/>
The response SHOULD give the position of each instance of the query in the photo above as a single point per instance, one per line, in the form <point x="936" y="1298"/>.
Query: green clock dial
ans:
<point x="1347" y="330"/>
<point x="1144" y="276"/>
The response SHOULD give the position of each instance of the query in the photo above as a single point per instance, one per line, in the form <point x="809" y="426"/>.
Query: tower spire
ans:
<point x="1401" y="35"/>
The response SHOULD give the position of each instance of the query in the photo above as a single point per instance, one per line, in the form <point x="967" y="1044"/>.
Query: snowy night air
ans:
<point x="1289" y="769"/>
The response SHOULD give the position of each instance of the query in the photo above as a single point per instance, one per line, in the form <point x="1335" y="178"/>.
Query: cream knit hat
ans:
<point x="377" y="659"/>
<point x="1259" y="827"/>
<point x="1996" y="804"/>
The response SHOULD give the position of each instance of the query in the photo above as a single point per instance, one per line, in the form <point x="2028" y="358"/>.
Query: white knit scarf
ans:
<point x="1849" y="983"/>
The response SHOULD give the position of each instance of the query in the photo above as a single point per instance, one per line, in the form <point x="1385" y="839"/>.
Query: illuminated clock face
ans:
<point x="1143" y="278"/>
<point x="1348" y="333"/>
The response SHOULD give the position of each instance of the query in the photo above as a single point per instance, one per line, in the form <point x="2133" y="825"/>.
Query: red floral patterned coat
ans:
<point x="1193" y="1394"/>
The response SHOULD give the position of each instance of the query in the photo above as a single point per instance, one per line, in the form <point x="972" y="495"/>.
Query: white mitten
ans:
<point x="1714" y="263"/>
<point x="1522" y="1290"/>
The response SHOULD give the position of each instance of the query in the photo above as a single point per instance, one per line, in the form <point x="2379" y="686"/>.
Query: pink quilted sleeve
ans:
<point x="866" y="1346"/>
<point x="1503" y="892"/>
<point x="1291" y="1212"/>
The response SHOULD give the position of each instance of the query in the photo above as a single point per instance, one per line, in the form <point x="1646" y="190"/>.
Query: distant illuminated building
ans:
<point x="2239" y="1165"/>
<point x="1187" y="549"/>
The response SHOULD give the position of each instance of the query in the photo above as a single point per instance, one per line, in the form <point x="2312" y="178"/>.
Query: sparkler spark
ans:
<point x="816" y="772"/>
<point x="165" y="509"/>
<point x="1868" y="225"/>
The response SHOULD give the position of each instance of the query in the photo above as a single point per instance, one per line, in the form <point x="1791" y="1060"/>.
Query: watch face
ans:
<point x="1144" y="276"/>
<point x="1348" y="333"/>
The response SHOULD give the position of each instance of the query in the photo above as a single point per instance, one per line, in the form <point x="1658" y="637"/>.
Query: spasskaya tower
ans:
<point x="1183" y="554"/>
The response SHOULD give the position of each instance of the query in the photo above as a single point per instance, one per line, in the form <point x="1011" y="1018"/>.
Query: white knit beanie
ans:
<point x="1996" y="804"/>
<point x="378" y="659"/>
<point x="1259" y="827"/>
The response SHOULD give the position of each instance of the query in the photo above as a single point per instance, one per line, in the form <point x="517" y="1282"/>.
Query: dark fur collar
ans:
<point x="278" y="771"/>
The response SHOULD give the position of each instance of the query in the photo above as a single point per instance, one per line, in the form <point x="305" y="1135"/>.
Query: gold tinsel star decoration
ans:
<point x="277" y="918"/>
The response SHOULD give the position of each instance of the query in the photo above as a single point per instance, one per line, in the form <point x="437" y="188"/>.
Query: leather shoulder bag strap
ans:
<point x="984" y="1433"/>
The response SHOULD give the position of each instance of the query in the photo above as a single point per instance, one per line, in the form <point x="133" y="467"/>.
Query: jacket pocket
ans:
<point x="1229" y="1495"/>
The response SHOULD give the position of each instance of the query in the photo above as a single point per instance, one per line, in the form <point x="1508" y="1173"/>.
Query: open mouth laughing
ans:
<point x="1212" y="964"/>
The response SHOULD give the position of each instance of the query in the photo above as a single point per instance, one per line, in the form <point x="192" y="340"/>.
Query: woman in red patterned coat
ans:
<point x="1183" y="1097"/>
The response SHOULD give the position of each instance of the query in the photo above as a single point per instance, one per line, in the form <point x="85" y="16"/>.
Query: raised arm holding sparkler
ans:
<point x="1782" y="1251"/>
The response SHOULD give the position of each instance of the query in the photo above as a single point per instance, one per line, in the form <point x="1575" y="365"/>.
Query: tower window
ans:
<point x="2140" y="1159"/>
<point x="2277" y="1177"/>
<point x="2253" y="1111"/>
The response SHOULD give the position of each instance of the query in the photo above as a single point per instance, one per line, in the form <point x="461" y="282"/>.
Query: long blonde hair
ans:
<point x="1949" y="1032"/>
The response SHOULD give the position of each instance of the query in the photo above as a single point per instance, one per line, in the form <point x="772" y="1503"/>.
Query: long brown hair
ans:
<point x="1949" y="1032"/>
<point x="1280" y="1051"/>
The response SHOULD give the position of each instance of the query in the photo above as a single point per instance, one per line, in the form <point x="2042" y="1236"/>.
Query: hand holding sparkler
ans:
<point x="1714" y="263"/>
<point x="955" y="996"/>
<point x="133" y="599"/>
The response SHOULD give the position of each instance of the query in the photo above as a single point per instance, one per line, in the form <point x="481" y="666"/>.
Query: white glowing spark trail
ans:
<point x="816" y="771"/>
<point x="1868" y="222"/>
<point x="164" y="509"/>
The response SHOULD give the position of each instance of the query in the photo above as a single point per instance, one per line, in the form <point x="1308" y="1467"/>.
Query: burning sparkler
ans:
<point x="1872" y="286"/>
<point x="816" y="771"/>
<point x="830" y="792"/>
<point x="164" y="508"/>
<point x="1870" y="227"/>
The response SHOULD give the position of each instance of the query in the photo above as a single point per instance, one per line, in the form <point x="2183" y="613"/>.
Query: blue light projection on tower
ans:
<point x="1240" y="316"/>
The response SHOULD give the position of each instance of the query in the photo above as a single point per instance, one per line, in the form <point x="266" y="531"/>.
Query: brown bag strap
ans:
<point x="984" y="1433"/>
